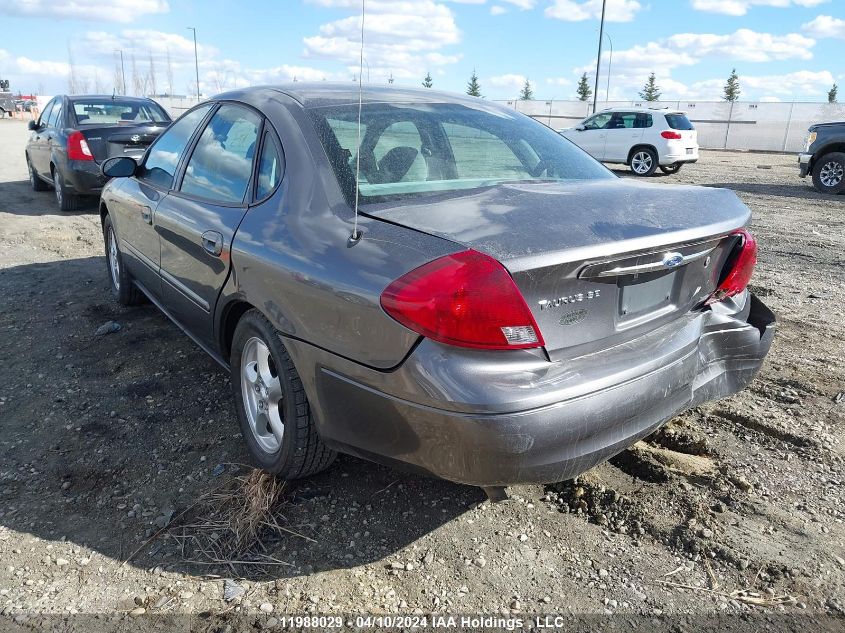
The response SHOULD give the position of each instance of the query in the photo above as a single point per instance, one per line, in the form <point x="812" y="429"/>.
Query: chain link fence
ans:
<point x="738" y="125"/>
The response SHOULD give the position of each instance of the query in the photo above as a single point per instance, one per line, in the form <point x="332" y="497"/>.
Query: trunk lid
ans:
<point x="598" y="262"/>
<point x="106" y="141"/>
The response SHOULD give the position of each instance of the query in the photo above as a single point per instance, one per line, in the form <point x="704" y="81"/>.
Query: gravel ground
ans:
<point x="106" y="438"/>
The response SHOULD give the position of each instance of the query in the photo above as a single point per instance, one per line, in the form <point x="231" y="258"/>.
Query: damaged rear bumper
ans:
<point x="519" y="418"/>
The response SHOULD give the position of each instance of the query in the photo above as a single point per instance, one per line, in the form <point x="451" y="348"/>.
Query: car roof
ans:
<point x="324" y="93"/>
<point x="107" y="98"/>
<point x="662" y="110"/>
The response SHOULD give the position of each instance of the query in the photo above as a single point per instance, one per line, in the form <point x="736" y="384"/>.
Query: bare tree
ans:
<point x="73" y="73"/>
<point x="169" y="74"/>
<point x="137" y="80"/>
<point x="118" y="79"/>
<point x="150" y="79"/>
<point x="99" y="88"/>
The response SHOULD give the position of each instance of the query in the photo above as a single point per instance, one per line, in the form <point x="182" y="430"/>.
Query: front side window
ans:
<point x="598" y="122"/>
<point x="409" y="150"/>
<point x="163" y="158"/>
<point x="221" y="165"/>
<point x="118" y="111"/>
<point x="271" y="165"/>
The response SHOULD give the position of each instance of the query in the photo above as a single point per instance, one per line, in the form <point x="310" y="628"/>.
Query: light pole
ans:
<point x="196" y="61"/>
<point x="609" y="66"/>
<point x="122" y="71"/>
<point x="598" y="59"/>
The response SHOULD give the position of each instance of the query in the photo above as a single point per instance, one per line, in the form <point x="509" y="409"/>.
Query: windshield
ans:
<point x="111" y="111"/>
<point x="408" y="150"/>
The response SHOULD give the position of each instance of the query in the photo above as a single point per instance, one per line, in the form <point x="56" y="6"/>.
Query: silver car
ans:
<point x="502" y="308"/>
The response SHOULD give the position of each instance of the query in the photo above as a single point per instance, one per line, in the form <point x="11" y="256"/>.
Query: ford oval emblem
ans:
<point x="673" y="260"/>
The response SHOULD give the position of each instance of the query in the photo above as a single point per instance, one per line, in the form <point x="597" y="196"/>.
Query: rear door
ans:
<point x="593" y="135"/>
<point x="38" y="143"/>
<point x="622" y="134"/>
<point x="196" y="221"/>
<point x="135" y="212"/>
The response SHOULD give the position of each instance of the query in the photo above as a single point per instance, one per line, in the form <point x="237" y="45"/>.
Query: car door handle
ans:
<point x="147" y="214"/>
<point x="212" y="242"/>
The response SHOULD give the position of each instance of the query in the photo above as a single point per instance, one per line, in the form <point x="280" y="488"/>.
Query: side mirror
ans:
<point x="33" y="125"/>
<point x="119" y="167"/>
<point x="580" y="128"/>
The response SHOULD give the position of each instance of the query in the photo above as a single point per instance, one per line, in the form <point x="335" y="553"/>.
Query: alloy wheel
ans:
<point x="641" y="162"/>
<point x="114" y="260"/>
<point x="832" y="173"/>
<point x="262" y="395"/>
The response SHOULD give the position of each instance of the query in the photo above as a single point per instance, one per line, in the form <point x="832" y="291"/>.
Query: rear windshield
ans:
<point x="110" y="111"/>
<point x="679" y="122"/>
<point x="409" y="150"/>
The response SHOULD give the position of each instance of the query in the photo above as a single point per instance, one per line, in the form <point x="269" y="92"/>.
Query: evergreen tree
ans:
<point x="526" y="94"/>
<point x="473" y="87"/>
<point x="428" y="82"/>
<point x="832" y="94"/>
<point x="584" y="91"/>
<point x="651" y="91"/>
<point x="732" y="90"/>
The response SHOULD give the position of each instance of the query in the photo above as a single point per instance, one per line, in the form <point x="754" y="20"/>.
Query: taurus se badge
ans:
<point x="576" y="298"/>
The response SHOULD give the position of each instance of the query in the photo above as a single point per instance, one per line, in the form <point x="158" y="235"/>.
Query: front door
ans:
<point x="591" y="135"/>
<point x="135" y="219"/>
<point x="197" y="221"/>
<point x="38" y="154"/>
<point x="623" y="132"/>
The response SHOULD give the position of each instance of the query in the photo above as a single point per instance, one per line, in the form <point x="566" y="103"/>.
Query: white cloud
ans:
<point x="142" y="43"/>
<point x="508" y="82"/>
<point x="575" y="11"/>
<point x="825" y="26"/>
<point x="744" y="45"/>
<point x="497" y="9"/>
<point x="525" y="5"/>
<point x="402" y="37"/>
<point x="741" y="7"/>
<point x="110" y="11"/>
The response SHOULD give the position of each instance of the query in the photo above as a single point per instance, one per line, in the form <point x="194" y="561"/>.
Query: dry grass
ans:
<point x="231" y="526"/>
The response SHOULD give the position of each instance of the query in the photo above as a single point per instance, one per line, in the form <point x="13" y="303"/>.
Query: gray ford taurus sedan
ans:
<point x="509" y="310"/>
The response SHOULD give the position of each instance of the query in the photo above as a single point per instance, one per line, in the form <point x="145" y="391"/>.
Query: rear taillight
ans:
<point x="739" y="267"/>
<point x="467" y="299"/>
<point x="77" y="147"/>
<point x="671" y="135"/>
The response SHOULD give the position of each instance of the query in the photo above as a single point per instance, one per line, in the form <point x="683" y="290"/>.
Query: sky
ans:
<point x="783" y="50"/>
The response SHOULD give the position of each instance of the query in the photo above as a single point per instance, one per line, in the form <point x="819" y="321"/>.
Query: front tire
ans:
<point x="643" y="161"/>
<point x="273" y="411"/>
<point x="829" y="173"/>
<point x="122" y="288"/>
<point x="671" y="169"/>
<point x="66" y="200"/>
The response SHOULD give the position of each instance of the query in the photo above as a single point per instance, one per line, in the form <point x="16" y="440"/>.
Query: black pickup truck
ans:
<point x="824" y="157"/>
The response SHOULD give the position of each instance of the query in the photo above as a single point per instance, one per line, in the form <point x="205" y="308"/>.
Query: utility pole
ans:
<point x="609" y="66"/>
<point x="598" y="59"/>
<point x="196" y="61"/>
<point x="122" y="70"/>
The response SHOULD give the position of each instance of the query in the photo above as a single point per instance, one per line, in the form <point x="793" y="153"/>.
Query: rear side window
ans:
<point x="45" y="116"/>
<point x="161" y="163"/>
<point x="679" y="122"/>
<point x="221" y="165"/>
<point x="643" y="120"/>
<point x="271" y="166"/>
<point x="55" y="114"/>
<point x="622" y="120"/>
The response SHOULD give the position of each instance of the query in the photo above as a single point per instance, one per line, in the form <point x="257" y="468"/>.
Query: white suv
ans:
<point x="644" y="138"/>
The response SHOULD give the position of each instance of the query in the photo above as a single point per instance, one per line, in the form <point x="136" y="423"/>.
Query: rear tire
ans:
<point x="66" y="200"/>
<point x="273" y="411"/>
<point x="120" y="280"/>
<point x="829" y="173"/>
<point x="643" y="161"/>
<point x="34" y="180"/>
<point x="671" y="169"/>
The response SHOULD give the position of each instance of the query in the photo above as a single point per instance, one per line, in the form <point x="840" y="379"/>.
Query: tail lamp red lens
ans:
<point x="740" y="264"/>
<point x="467" y="299"/>
<point x="671" y="135"/>
<point x="77" y="147"/>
